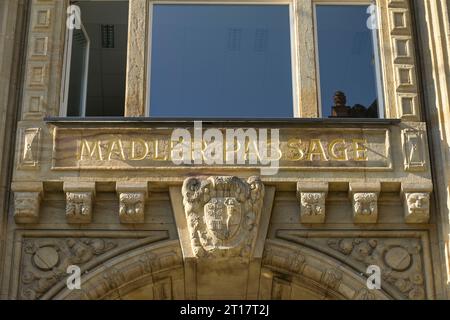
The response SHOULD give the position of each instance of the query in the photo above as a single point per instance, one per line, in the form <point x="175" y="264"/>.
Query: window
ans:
<point x="95" y="66"/>
<point x="348" y="62"/>
<point x="217" y="60"/>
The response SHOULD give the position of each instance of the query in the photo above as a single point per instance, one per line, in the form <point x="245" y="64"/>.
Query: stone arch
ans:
<point x="154" y="271"/>
<point x="293" y="271"/>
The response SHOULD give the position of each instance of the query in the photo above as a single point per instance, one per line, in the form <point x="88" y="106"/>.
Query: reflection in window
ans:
<point x="96" y="60"/>
<point x="221" y="61"/>
<point x="350" y="84"/>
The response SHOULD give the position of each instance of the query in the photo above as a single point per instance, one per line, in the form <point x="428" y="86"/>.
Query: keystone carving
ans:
<point x="222" y="214"/>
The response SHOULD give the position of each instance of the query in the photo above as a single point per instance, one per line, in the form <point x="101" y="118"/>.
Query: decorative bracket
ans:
<point x="416" y="202"/>
<point x="79" y="199"/>
<point x="132" y="201"/>
<point x="364" y="198"/>
<point x="27" y="200"/>
<point x="312" y="196"/>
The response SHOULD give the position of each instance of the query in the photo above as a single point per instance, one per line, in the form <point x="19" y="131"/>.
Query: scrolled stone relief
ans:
<point x="365" y="207"/>
<point x="26" y="207"/>
<point x="79" y="207"/>
<point x="131" y="208"/>
<point x="222" y="214"/>
<point x="312" y="207"/>
<point x="417" y="207"/>
<point x="400" y="261"/>
<point x="45" y="261"/>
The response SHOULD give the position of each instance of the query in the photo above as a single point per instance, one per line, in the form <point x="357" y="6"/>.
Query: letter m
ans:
<point x="93" y="151"/>
<point x="239" y="148"/>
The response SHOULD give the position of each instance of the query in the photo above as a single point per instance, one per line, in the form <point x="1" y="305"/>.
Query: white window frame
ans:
<point x="293" y="43"/>
<point x="376" y="45"/>
<point x="66" y="72"/>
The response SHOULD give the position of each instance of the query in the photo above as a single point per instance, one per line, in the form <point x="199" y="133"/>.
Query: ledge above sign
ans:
<point x="287" y="145"/>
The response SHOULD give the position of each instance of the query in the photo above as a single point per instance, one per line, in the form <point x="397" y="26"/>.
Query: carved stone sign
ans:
<point x="149" y="148"/>
<point x="222" y="215"/>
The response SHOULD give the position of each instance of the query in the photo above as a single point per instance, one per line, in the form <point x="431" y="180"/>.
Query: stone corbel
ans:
<point x="132" y="197"/>
<point x="27" y="200"/>
<point x="364" y="197"/>
<point x="312" y="196"/>
<point x="79" y="199"/>
<point x="416" y="202"/>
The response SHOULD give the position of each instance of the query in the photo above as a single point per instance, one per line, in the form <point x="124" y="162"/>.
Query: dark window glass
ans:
<point x="221" y="61"/>
<point x="348" y="61"/>
<point x="98" y="60"/>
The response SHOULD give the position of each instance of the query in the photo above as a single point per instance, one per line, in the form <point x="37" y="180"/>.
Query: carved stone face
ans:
<point x="313" y="203"/>
<point x="222" y="217"/>
<point x="418" y="203"/>
<point x="131" y="204"/>
<point x="78" y="203"/>
<point x="365" y="203"/>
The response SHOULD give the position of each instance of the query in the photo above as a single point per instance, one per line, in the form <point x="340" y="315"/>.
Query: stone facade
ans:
<point x="107" y="197"/>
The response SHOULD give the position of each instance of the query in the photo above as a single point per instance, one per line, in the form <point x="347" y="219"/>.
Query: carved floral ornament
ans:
<point x="222" y="215"/>
<point x="79" y="207"/>
<point x="365" y="204"/>
<point x="131" y="207"/>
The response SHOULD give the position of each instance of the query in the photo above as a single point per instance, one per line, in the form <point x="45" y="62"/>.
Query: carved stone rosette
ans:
<point x="222" y="215"/>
